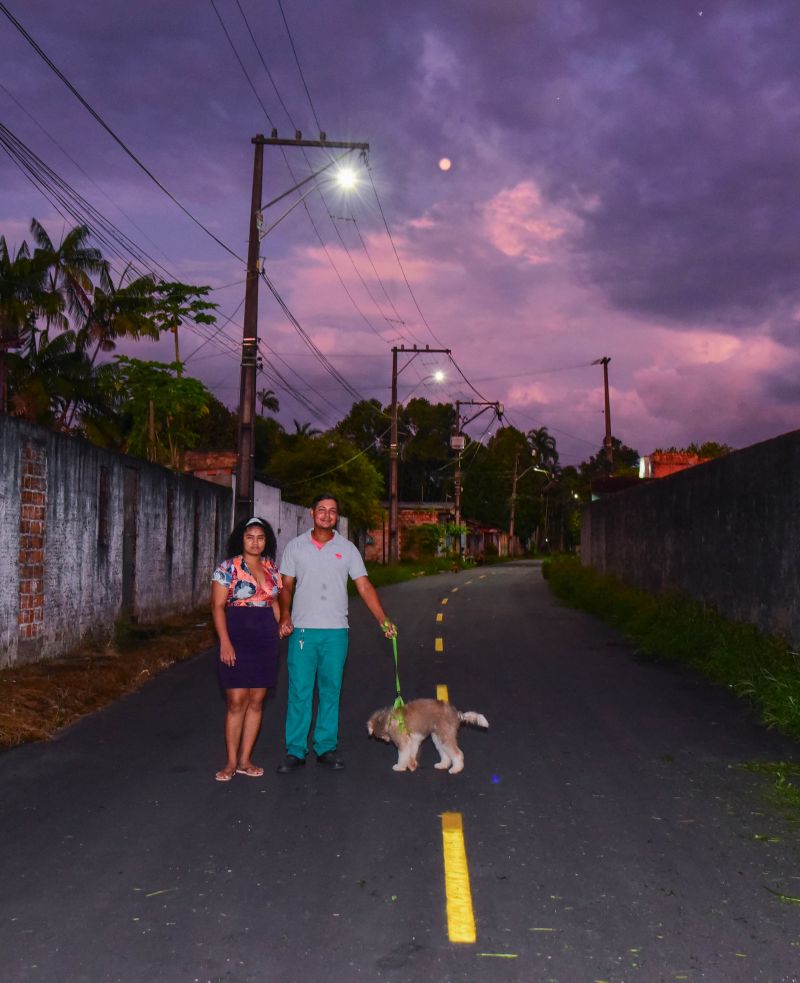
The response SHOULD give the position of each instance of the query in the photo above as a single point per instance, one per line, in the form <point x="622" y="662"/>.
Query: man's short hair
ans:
<point x="322" y="498"/>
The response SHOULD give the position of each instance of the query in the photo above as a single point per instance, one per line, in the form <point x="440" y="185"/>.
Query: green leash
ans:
<point x="398" y="703"/>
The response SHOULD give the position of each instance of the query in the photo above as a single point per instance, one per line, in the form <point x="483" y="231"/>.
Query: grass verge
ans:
<point x="672" y="627"/>
<point x="38" y="699"/>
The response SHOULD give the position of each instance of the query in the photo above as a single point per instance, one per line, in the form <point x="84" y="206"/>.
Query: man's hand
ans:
<point x="389" y="629"/>
<point x="285" y="628"/>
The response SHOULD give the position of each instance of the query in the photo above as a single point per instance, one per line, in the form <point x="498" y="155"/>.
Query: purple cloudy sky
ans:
<point x="624" y="182"/>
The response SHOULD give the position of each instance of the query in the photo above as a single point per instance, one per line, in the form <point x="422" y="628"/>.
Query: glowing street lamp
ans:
<point x="243" y="505"/>
<point x="438" y="375"/>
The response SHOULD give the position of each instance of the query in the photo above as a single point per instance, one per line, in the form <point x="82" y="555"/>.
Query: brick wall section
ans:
<point x="32" y="518"/>
<point x="63" y="499"/>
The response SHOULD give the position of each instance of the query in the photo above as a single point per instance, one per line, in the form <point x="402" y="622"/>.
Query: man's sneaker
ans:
<point x="331" y="760"/>
<point x="290" y="763"/>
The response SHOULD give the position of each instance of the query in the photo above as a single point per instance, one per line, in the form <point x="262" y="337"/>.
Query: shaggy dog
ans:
<point x="409" y="725"/>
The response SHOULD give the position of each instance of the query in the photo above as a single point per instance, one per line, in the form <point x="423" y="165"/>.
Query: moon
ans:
<point x="445" y="164"/>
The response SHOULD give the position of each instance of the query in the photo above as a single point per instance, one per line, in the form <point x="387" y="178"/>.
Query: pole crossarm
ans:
<point x="298" y="141"/>
<point x="486" y="404"/>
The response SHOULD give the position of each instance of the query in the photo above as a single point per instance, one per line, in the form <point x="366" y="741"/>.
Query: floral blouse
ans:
<point x="243" y="588"/>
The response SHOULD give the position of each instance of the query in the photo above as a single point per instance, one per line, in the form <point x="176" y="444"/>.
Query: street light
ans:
<point x="394" y="531"/>
<point x="516" y="478"/>
<point x="243" y="505"/>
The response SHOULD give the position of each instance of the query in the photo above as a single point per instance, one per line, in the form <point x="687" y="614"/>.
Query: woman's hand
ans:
<point x="285" y="628"/>
<point x="227" y="654"/>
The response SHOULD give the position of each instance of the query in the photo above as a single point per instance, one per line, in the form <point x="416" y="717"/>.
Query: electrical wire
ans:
<point x="118" y="140"/>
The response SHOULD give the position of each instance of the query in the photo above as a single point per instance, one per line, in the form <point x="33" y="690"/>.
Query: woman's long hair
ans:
<point x="235" y="545"/>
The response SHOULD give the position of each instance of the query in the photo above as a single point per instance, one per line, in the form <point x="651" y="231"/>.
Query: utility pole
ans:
<point x="394" y="528"/>
<point x="243" y="506"/>
<point x="516" y="477"/>
<point x="513" y="503"/>
<point x="457" y="487"/>
<point x="607" y="444"/>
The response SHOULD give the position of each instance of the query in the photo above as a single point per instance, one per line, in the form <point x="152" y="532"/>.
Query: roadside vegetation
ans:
<point x="674" y="628"/>
<point x="762" y="669"/>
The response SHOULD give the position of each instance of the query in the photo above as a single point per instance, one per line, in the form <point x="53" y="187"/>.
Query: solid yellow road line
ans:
<point x="460" y="917"/>
<point x="440" y="616"/>
<point x="441" y="693"/>
<point x="438" y="645"/>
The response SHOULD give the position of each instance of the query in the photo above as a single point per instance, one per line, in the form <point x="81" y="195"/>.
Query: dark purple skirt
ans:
<point x="254" y="636"/>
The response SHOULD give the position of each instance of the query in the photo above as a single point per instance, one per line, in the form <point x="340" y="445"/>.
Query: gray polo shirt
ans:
<point x="320" y="592"/>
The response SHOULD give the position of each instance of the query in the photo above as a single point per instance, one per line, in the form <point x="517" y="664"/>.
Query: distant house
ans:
<point x="218" y="467"/>
<point x="480" y="539"/>
<point x="660" y="464"/>
<point x="409" y="514"/>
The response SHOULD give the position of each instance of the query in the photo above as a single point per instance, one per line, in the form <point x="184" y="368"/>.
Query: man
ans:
<point x="314" y="570"/>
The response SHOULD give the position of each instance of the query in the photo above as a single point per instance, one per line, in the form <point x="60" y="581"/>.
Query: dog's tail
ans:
<point x="476" y="719"/>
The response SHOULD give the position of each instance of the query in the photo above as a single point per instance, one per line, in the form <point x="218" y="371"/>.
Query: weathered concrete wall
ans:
<point x="726" y="532"/>
<point x="286" y="519"/>
<point x="87" y="536"/>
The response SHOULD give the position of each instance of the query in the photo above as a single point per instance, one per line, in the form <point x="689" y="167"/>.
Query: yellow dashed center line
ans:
<point x="438" y="645"/>
<point x="454" y="590"/>
<point x="440" y="616"/>
<point x="460" y="917"/>
<point x="441" y="693"/>
<point x="482" y="577"/>
<point x="445" y="600"/>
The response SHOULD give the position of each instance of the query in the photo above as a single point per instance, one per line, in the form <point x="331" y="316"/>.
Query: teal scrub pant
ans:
<point x="314" y="653"/>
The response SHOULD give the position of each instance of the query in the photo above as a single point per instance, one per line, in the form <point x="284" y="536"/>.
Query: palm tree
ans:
<point x="121" y="310"/>
<point x="304" y="429"/>
<point x="268" y="400"/>
<point x="70" y="267"/>
<point x="23" y="299"/>
<point x="50" y="374"/>
<point x="543" y="446"/>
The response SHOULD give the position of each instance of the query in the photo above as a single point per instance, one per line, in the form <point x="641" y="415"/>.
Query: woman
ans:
<point x="244" y="606"/>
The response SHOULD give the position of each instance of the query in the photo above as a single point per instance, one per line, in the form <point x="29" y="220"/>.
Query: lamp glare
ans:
<point x="346" y="178"/>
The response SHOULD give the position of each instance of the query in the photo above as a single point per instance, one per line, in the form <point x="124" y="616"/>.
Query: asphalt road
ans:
<point x="611" y="832"/>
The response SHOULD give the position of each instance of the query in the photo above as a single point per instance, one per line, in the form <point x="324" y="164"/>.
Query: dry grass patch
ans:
<point x="39" y="699"/>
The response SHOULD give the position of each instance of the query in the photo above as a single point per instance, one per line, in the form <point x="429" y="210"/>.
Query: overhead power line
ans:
<point x="117" y="139"/>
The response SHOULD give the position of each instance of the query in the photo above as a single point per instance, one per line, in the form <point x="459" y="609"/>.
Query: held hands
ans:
<point x="389" y="629"/>
<point x="285" y="628"/>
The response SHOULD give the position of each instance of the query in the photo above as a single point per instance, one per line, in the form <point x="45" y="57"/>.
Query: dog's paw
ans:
<point x="442" y="765"/>
<point x="457" y="767"/>
<point x="398" y="767"/>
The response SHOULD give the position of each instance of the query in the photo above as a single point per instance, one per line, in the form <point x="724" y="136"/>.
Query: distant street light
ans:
<point x="515" y="479"/>
<point x="394" y="530"/>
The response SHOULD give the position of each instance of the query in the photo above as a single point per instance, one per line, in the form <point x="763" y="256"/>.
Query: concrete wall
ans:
<point x="726" y="532"/>
<point x="286" y="519"/>
<point x="87" y="536"/>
